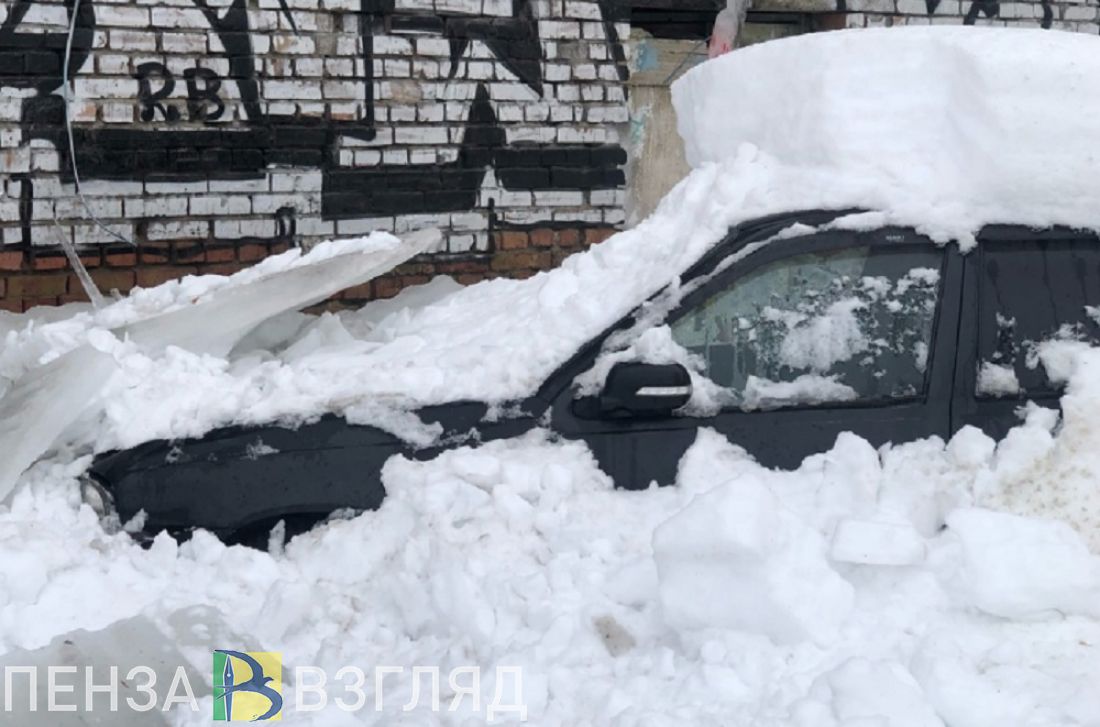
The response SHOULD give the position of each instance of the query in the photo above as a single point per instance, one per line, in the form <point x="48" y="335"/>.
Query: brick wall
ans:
<point x="1072" y="15"/>
<point x="211" y="133"/>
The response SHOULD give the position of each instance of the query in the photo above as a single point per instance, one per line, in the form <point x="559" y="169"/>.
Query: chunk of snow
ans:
<point x="876" y="543"/>
<point x="825" y="339"/>
<point x="735" y="558"/>
<point x="866" y="693"/>
<point x="997" y="380"/>
<point x="42" y="405"/>
<point x="923" y="113"/>
<point x="805" y="389"/>
<point x="1019" y="567"/>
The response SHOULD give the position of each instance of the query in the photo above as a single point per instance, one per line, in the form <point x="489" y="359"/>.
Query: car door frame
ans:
<point x="965" y="405"/>
<point x="939" y="379"/>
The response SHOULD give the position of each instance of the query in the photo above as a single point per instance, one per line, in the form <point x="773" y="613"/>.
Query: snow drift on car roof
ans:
<point x="958" y="125"/>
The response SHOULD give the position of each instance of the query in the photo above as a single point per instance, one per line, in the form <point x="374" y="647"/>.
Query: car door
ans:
<point x="803" y="339"/>
<point x="1021" y="288"/>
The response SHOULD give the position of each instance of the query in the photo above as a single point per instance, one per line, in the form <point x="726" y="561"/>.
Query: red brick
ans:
<point x="251" y="252"/>
<point x="220" y="268"/>
<point x="50" y="262"/>
<point x="91" y="259"/>
<point x="454" y="267"/>
<point x="11" y="260"/>
<point x="121" y="259"/>
<point x="385" y="287"/>
<point x="569" y="238"/>
<point x="415" y="268"/>
<point x="107" y="280"/>
<point x="542" y="237"/>
<point x="279" y="247"/>
<point x="149" y="277"/>
<point x="220" y="254"/>
<point x="153" y="253"/>
<point x="12" y="305"/>
<point x="512" y="240"/>
<point x="358" y="292"/>
<point x="471" y="278"/>
<point x="3" y="287"/>
<point x="37" y="286"/>
<point x="521" y="259"/>
<point x="410" y="280"/>
<point x="29" y="303"/>
<point x="188" y="253"/>
<point x="596" y="235"/>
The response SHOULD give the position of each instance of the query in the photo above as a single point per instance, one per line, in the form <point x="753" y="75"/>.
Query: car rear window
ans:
<point x="1032" y="293"/>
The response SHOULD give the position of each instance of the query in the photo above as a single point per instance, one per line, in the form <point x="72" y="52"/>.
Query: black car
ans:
<point x="881" y="333"/>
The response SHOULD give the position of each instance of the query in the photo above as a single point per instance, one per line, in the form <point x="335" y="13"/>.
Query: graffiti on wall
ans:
<point x="460" y="87"/>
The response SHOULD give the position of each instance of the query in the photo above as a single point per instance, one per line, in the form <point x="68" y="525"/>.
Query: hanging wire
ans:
<point x="66" y="243"/>
<point x="688" y="55"/>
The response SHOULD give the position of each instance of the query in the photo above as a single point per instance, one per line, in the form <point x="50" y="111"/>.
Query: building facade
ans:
<point x="207" y="134"/>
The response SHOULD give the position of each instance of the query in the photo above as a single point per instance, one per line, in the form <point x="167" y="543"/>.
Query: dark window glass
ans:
<point x="1031" y="292"/>
<point x="845" y="325"/>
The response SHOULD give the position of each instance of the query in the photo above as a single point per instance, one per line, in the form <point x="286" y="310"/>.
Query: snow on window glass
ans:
<point x="852" y="324"/>
<point x="1038" y="300"/>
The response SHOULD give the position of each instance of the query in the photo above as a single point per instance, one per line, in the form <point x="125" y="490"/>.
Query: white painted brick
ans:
<point x="584" y="10"/>
<point x="121" y="16"/>
<point x="221" y="204"/>
<point x="1085" y="13"/>
<point x="291" y="90"/>
<point x="364" y="226"/>
<point x="420" y="135"/>
<point x="183" y="42"/>
<point x="178" y="230"/>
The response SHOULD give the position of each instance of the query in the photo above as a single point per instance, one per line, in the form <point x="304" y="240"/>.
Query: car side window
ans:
<point x="1030" y="293"/>
<point x="848" y="325"/>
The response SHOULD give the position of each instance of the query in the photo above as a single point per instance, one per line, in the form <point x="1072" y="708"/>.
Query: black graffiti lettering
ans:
<point x="199" y="98"/>
<point x="149" y="99"/>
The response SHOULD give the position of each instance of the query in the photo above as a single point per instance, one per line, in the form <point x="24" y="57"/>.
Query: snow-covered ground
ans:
<point x="831" y="595"/>
<point x="928" y="583"/>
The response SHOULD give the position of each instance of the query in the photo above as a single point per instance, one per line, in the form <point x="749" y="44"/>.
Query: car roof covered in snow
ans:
<point x="945" y="127"/>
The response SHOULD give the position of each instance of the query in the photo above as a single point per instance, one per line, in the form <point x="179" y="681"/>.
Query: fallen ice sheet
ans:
<point x="125" y="645"/>
<point x="204" y="315"/>
<point x="43" y="404"/>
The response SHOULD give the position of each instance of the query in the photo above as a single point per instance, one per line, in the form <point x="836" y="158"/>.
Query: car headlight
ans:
<point x="96" y="496"/>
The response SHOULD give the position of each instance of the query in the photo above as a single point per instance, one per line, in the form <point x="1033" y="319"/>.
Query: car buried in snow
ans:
<point x="881" y="332"/>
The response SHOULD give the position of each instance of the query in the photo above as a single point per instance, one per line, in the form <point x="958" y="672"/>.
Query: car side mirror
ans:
<point x="641" y="389"/>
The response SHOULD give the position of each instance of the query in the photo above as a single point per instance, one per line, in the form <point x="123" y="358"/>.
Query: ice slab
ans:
<point x="43" y="403"/>
<point x="215" y="322"/>
<point x="124" y="644"/>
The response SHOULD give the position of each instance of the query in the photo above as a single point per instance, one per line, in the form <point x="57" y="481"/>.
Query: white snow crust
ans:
<point x="944" y="128"/>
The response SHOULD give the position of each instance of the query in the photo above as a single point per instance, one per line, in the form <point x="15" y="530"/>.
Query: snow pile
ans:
<point x="735" y="558"/>
<point x="1020" y="567"/>
<point x="729" y="598"/>
<point x="927" y="114"/>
